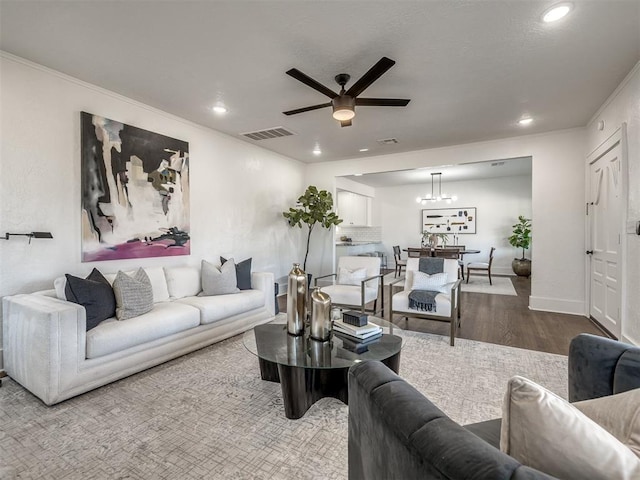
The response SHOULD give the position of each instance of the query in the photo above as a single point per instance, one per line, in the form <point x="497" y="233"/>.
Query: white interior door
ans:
<point x="605" y="222"/>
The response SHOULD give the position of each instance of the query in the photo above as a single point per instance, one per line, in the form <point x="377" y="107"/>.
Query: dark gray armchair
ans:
<point x="397" y="433"/>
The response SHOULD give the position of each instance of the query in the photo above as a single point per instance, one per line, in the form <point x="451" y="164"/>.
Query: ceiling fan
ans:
<point x="344" y="103"/>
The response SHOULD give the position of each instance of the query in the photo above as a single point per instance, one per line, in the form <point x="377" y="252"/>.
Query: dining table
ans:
<point x="431" y="252"/>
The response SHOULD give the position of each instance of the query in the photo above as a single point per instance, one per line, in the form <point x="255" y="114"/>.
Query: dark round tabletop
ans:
<point x="272" y="343"/>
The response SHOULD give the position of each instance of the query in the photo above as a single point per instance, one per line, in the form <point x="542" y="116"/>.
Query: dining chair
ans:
<point x="400" y="264"/>
<point x="452" y="253"/>
<point x="481" y="266"/>
<point x="460" y="258"/>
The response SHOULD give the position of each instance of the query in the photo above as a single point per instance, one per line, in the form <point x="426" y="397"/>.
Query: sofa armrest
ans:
<point x="600" y="366"/>
<point x="42" y="338"/>
<point x="396" y="432"/>
<point x="265" y="281"/>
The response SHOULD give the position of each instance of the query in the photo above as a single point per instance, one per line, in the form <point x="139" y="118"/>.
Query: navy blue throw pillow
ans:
<point x="243" y="273"/>
<point x="95" y="294"/>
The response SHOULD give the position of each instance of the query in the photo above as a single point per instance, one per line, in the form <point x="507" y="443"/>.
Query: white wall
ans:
<point x="498" y="201"/>
<point x="238" y="191"/>
<point x="624" y="107"/>
<point x="558" y="194"/>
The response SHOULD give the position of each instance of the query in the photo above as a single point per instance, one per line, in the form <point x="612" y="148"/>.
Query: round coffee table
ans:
<point x="309" y="370"/>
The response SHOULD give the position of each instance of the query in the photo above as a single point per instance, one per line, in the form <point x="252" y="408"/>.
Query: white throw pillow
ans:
<point x="183" y="281"/>
<point x="618" y="414"/>
<point x="158" y="283"/>
<point x="219" y="281"/>
<point x="545" y="432"/>
<point x="435" y="283"/>
<point x="351" y="277"/>
<point x="59" y="284"/>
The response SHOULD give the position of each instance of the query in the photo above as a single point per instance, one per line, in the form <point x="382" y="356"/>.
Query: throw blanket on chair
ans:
<point x="425" y="300"/>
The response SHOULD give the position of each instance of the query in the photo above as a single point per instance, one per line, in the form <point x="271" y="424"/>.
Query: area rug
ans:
<point x="480" y="284"/>
<point x="209" y="415"/>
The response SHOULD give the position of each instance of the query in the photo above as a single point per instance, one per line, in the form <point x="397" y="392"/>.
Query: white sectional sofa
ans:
<point x="49" y="352"/>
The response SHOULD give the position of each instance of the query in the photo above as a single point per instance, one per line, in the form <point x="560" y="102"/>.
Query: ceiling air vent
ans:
<point x="268" y="133"/>
<point x="388" y="141"/>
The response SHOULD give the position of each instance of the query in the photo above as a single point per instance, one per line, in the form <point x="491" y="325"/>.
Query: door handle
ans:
<point x="589" y="252"/>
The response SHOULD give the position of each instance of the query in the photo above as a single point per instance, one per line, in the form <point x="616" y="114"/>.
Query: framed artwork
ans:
<point x="449" y="220"/>
<point x="135" y="192"/>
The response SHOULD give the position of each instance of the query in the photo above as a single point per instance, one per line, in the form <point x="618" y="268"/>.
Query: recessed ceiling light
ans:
<point x="364" y="149"/>
<point x="556" y="12"/>
<point x="525" y="121"/>
<point x="357" y="174"/>
<point x="317" y="151"/>
<point x="220" y="109"/>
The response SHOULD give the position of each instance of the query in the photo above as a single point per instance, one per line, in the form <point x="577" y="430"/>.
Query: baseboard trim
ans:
<point x="601" y="327"/>
<point x="557" y="305"/>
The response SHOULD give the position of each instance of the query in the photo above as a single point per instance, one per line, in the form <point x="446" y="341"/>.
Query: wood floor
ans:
<point x="505" y="320"/>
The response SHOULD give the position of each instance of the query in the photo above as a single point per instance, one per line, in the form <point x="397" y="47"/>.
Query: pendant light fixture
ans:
<point x="439" y="196"/>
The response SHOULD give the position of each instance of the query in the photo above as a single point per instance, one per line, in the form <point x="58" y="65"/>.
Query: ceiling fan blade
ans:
<point x="345" y="123"/>
<point x="382" y="102"/>
<point x="307" y="80"/>
<point x="371" y="76"/>
<point x="307" y="109"/>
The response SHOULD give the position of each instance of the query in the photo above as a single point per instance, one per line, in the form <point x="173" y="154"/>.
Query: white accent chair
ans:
<point x="447" y="304"/>
<point x="356" y="284"/>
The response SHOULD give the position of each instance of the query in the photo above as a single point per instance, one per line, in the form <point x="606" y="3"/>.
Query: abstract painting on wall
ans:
<point x="135" y="192"/>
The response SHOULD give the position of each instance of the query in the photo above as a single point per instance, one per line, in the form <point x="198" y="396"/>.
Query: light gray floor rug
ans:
<point x="480" y="284"/>
<point x="208" y="415"/>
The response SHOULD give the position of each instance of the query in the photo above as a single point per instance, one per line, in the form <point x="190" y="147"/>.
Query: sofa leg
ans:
<point x="453" y="332"/>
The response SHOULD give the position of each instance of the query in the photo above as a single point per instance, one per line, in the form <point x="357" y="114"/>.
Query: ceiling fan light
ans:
<point x="556" y="12"/>
<point x="343" y="113"/>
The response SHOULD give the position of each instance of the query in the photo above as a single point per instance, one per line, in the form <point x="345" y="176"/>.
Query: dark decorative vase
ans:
<point x="521" y="267"/>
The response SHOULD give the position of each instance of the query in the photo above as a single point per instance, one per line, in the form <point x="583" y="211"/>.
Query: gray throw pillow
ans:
<point x="134" y="295"/>
<point x="243" y="273"/>
<point x="219" y="281"/>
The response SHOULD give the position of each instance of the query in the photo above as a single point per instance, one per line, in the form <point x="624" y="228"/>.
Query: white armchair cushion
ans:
<point x="349" y="294"/>
<point x="370" y="264"/>
<point x="450" y="267"/>
<point x="443" y="304"/>
<point x="351" y="277"/>
<point x="436" y="282"/>
<point x="477" y="265"/>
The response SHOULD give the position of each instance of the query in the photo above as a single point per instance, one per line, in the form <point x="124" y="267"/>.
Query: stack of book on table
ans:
<point x="357" y="339"/>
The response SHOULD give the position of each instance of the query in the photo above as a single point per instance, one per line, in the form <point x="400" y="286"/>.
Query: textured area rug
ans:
<point x="480" y="284"/>
<point x="209" y="415"/>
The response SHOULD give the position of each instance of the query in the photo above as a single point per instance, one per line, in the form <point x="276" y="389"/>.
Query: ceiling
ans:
<point x="510" y="167"/>
<point x="472" y="69"/>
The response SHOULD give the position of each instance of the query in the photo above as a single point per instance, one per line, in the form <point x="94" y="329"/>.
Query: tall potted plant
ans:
<point x="314" y="207"/>
<point x="521" y="238"/>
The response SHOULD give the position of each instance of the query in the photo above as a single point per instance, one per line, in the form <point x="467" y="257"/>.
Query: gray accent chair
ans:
<point x="397" y="433"/>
